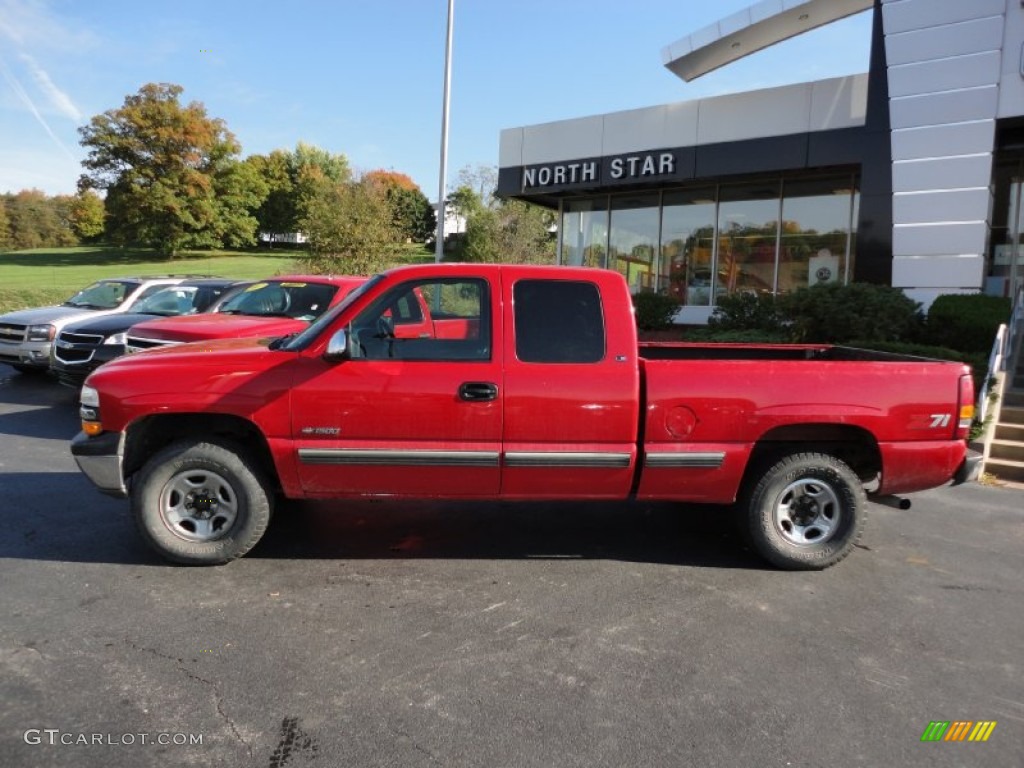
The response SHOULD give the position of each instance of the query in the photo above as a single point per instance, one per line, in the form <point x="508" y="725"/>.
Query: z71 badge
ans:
<point x="324" y="431"/>
<point x="931" y="421"/>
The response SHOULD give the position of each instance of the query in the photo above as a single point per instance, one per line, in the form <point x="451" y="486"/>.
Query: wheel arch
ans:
<point x="151" y="434"/>
<point x="853" y="445"/>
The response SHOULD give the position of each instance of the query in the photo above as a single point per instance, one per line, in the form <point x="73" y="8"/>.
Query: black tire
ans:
<point x="200" y="502"/>
<point x="805" y="512"/>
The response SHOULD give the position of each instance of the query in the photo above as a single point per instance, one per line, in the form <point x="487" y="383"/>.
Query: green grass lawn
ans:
<point x="43" y="276"/>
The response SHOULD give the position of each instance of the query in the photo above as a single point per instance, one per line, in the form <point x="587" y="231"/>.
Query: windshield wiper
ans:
<point x="280" y="341"/>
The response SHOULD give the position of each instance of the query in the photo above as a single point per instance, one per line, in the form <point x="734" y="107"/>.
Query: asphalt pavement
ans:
<point x="424" y="634"/>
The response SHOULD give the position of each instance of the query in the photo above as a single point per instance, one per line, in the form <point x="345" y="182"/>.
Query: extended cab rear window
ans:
<point x="558" y="321"/>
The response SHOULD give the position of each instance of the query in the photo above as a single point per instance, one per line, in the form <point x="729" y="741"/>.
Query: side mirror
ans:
<point x="337" y="347"/>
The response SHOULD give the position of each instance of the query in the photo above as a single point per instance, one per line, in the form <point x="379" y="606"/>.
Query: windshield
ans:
<point x="300" y="341"/>
<point x="168" y="302"/>
<point x="106" y="294"/>
<point x="299" y="300"/>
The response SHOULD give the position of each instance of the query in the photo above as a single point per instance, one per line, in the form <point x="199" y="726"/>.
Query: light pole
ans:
<point x="441" y="182"/>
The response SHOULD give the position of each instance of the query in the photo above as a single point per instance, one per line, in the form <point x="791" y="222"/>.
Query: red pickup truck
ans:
<point x="464" y="381"/>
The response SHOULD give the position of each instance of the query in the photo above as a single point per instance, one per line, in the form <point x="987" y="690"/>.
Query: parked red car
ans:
<point x="274" y="307"/>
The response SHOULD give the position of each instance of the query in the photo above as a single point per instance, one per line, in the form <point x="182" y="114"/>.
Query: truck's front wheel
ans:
<point x="201" y="502"/>
<point x="805" y="512"/>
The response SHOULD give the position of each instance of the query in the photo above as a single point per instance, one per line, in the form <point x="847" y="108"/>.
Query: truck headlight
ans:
<point x="118" y="339"/>
<point x="39" y="333"/>
<point x="89" y="396"/>
<point x="89" y="411"/>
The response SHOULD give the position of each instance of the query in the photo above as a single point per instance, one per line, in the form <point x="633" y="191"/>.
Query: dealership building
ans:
<point x="910" y="175"/>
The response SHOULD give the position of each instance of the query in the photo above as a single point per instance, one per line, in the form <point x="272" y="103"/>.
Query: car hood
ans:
<point x="108" y="323"/>
<point x="216" y="326"/>
<point x="41" y="315"/>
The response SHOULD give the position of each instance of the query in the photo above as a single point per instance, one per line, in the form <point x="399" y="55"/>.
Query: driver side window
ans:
<point x="426" y="320"/>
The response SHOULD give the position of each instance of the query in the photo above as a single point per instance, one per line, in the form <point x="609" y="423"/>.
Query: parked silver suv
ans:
<point x="26" y="335"/>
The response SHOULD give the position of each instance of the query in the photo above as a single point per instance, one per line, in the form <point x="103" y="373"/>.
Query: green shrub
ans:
<point x="654" y="311"/>
<point x="746" y="312"/>
<point x="977" y="360"/>
<point x="834" y="313"/>
<point x="749" y="336"/>
<point x="966" y="322"/>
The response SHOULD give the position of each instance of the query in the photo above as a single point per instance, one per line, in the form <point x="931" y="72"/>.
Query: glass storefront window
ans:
<point x="769" y="236"/>
<point x="584" y="232"/>
<point x="688" y="244"/>
<point x="815" y="229"/>
<point x="748" y="224"/>
<point x="633" y="240"/>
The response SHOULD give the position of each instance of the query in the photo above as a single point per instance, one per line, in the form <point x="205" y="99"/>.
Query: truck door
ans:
<point x="571" y="389"/>
<point x="408" y="414"/>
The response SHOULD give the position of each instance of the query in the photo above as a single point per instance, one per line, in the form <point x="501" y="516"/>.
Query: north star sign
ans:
<point x="618" y="169"/>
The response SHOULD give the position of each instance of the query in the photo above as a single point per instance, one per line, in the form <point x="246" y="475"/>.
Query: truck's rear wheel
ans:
<point x="805" y="512"/>
<point x="201" y="502"/>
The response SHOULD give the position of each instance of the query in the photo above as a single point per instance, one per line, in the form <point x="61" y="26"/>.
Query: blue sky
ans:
<point x="364" y="78"/>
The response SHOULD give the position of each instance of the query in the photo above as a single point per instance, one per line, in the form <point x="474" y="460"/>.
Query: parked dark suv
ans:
<point x="83" y="346"/>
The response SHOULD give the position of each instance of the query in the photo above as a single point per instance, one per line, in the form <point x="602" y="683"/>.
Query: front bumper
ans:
<point x="969" y="469"/>
<point x="30" y="353"/>
<point x="101" y="459"/>
<point x="74" y="374"/>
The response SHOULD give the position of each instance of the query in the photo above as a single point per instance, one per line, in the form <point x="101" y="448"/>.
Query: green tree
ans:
<point x="87" y="215"/>
<point x="36" y="221"/>
<point x="5" y="226"/>
<point x="464" y="202"/>
<point x="348" y="226"/>
<point x="285" y="174"/>
<point x="482" y="180"/>
<point x="505" y="231"/>
<point x="411" y="211"/>
<point x="511" y="232"/>
<point x="171" y="173"/>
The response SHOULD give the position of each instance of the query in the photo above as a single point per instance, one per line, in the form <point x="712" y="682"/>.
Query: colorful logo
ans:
<point x="958" y="730"/>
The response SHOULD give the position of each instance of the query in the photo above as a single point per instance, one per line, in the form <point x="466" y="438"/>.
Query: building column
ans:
<point x="944" y="61"/>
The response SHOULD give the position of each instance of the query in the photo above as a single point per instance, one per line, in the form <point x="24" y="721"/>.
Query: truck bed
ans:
<point x="823" y="352"/>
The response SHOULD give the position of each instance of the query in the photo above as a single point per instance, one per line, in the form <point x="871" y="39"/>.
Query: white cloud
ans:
<point x="32" y="24"/>
<point x="27" y="101"/>
<point x="58" y="99"/>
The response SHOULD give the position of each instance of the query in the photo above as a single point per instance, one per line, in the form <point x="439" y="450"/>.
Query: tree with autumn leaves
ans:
<point x="172" y="179"/>
<point x="171" y="174"/>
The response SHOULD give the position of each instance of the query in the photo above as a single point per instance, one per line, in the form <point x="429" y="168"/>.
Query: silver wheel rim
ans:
<point x="807" y="512"/>
<point x="198" y="505"/>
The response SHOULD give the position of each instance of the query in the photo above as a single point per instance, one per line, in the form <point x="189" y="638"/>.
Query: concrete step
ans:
<point x="1014" y="398"/>
<point x="1011" y="414"/>
<point x="1011" y="432"/>
<point x="1004" y="469"/>
<point x="1010" y="450"/>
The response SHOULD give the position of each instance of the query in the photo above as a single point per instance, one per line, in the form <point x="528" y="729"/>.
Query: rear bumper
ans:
<point x="969" y="469"/>
<point x="101" y="460"/>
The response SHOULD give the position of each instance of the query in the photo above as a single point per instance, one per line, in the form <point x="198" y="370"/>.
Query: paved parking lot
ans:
<point x="494" y="635"/>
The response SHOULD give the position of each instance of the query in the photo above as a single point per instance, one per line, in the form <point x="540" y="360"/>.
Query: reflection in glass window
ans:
<point x="633" y="240"/>
<point x="441" y="319"/>
<point x="585" y="233"/>
<point x="748" y="223"/>
<point x="687" y="245"/>
<point x="815" y="228"/>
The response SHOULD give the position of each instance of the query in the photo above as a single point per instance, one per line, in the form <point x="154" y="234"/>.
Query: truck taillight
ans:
<point x="965" y="405"/>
